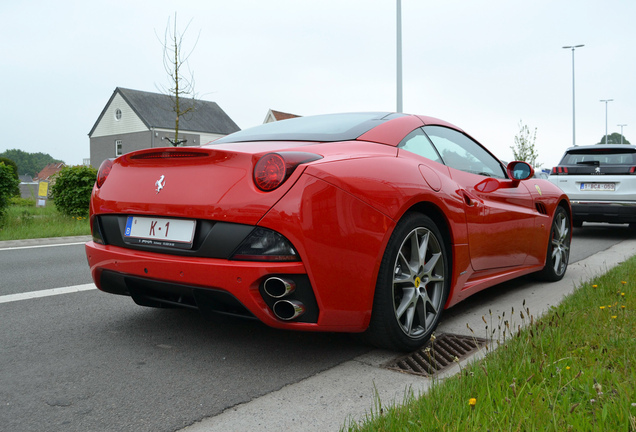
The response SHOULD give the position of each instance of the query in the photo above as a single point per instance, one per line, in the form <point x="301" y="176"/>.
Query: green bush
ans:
<point x="8" y="186"/>
<point x="12" y="164"/>
<point x="22" y="202"/>
<point x="71" y="190"/>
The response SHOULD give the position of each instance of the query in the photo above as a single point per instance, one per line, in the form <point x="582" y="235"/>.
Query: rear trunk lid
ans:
<point x="213" y="182"/>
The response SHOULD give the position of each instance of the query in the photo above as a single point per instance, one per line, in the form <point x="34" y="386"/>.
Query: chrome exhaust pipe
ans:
<point x="288" y="309"/>
<point x="278" y="288"/>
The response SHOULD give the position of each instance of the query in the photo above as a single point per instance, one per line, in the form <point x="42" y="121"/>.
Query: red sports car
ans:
<point x="368" y="223"/>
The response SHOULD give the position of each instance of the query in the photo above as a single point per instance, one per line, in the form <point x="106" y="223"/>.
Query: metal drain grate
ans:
<point x="437" y="355"/>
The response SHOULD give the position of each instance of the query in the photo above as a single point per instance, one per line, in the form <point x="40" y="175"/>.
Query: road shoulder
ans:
<point x="349" y="391"/>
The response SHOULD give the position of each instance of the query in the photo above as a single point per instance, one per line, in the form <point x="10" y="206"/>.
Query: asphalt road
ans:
<point x="89" y="361"/>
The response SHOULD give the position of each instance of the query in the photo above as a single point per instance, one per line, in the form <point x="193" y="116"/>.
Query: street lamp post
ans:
<point x="573" y="47"/>
<point x="621" y="125"/>
<point x="606" y="101"/>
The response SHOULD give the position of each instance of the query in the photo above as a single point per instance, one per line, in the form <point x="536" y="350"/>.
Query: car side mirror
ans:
<point x="519" y="170"/>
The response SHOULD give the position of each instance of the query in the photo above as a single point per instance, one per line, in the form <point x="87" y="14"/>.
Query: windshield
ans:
<point x="624" y="156"/>
<point x="321" y="128"/>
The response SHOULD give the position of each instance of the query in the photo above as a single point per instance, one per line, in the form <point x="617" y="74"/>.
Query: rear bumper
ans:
<point x="209" y="284"/>
<point x="604" y="211"/>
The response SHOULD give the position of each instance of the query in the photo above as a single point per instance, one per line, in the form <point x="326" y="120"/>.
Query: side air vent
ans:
<point x="541" y="208"/>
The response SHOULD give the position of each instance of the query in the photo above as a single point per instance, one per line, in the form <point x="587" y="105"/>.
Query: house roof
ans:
<point x="279" y="115"/>
<point x="273" y="115"/>
<point x="49" y="170"/>
<point x="156" y="111"/>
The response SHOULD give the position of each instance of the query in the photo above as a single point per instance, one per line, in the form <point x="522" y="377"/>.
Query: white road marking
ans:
<point x="46" y="293"/>
<point x="42" y="246"/>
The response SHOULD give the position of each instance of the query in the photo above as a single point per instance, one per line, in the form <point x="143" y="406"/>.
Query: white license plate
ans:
<point x="598" y="187"/>
<point x="160" y="231"/>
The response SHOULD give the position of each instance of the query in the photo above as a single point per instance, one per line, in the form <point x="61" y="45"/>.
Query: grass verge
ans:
<point x="573" y="369"/>
<point x="27" y="222"/>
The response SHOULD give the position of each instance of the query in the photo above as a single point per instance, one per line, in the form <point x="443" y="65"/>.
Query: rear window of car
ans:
<point x="321" y="128"/>
<point x="626" y="156"/>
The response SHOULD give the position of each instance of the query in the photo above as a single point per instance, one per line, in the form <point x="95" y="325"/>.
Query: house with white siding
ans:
<point x="135" y="120"/>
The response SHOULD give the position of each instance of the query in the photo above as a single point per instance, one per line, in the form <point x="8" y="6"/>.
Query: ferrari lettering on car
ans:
<point x="367" y="223"/>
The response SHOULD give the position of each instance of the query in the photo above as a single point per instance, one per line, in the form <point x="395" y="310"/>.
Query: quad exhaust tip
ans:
<point x="287" y="310"/>
<point x="278" y="288"/>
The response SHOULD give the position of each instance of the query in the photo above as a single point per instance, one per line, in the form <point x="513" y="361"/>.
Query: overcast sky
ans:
<point x="481" y="65"/>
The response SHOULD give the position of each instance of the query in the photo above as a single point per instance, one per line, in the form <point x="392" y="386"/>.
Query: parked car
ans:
<point x="369" y="223"/>
<point x="600" y="181"/>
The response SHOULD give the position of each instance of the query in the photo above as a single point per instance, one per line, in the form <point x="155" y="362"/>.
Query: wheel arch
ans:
<point x="380" y="332"/>
<point x="437" y="215"/>
<point x="433" y="211"/>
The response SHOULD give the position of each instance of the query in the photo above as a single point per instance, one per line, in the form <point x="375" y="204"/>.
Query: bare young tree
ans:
<point x="524" y="149"/>
<point x="175" y="63"/>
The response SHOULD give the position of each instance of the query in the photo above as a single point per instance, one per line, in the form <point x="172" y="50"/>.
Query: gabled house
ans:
<point x="273" y="116"/>
<point x="135" y="120"/>
<point x="48" y="171"/>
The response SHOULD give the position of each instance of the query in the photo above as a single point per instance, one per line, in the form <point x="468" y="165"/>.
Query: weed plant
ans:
<point x="574" y="369"/>
<point x="26" y="221"/>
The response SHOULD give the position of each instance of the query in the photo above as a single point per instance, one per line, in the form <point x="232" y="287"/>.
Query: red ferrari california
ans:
<point x="369" y="223"/>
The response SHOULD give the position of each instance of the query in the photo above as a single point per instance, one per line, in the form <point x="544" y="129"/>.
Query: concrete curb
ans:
<point x="347" y="392"/>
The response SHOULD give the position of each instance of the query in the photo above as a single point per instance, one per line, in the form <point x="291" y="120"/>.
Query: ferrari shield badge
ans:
<point x="160" y="183"/>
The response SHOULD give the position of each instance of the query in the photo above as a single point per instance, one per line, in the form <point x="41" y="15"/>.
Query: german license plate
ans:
<point x="159" y="231"/>
<point x="598" y="187"/>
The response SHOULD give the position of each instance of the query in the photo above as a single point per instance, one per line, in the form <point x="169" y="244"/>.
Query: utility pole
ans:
<point x="606" y="101"/>
<point x="573" y="47"/>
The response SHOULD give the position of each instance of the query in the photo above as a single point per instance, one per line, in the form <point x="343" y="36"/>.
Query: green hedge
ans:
<point x="71" y="189"/>
<point x="8" y="186"/>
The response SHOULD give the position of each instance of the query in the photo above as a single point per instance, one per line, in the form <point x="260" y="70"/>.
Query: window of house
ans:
<point x="118" y="148"/>
<point x="117" y="114"/>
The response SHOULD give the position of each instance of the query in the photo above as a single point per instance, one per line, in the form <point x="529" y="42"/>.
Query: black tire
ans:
<point x="412" y="286"/>
<point x="558" y="254"/>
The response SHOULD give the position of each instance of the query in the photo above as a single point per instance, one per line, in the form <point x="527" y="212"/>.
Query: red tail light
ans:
<point x="632" y="170"/>
<point x="273" y="169"/>
<point x="559" y="170"/>
<point x="269" y="172"/>
<point x="104" y="170"/>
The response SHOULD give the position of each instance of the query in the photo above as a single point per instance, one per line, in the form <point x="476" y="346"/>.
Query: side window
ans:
<point x="462" y="153"/>
<point x="118" y="148"/>
<point x="417" y="142"/>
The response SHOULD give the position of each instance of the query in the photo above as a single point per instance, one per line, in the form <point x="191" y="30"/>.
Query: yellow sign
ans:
<point x="43" y="189"/>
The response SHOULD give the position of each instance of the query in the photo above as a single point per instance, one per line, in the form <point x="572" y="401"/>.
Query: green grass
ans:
<point x="27" y="222"/>
<point x="572" y="370"/>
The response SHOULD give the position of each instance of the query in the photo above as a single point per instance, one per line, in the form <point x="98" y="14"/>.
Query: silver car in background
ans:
<point x="600" y="181"/>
